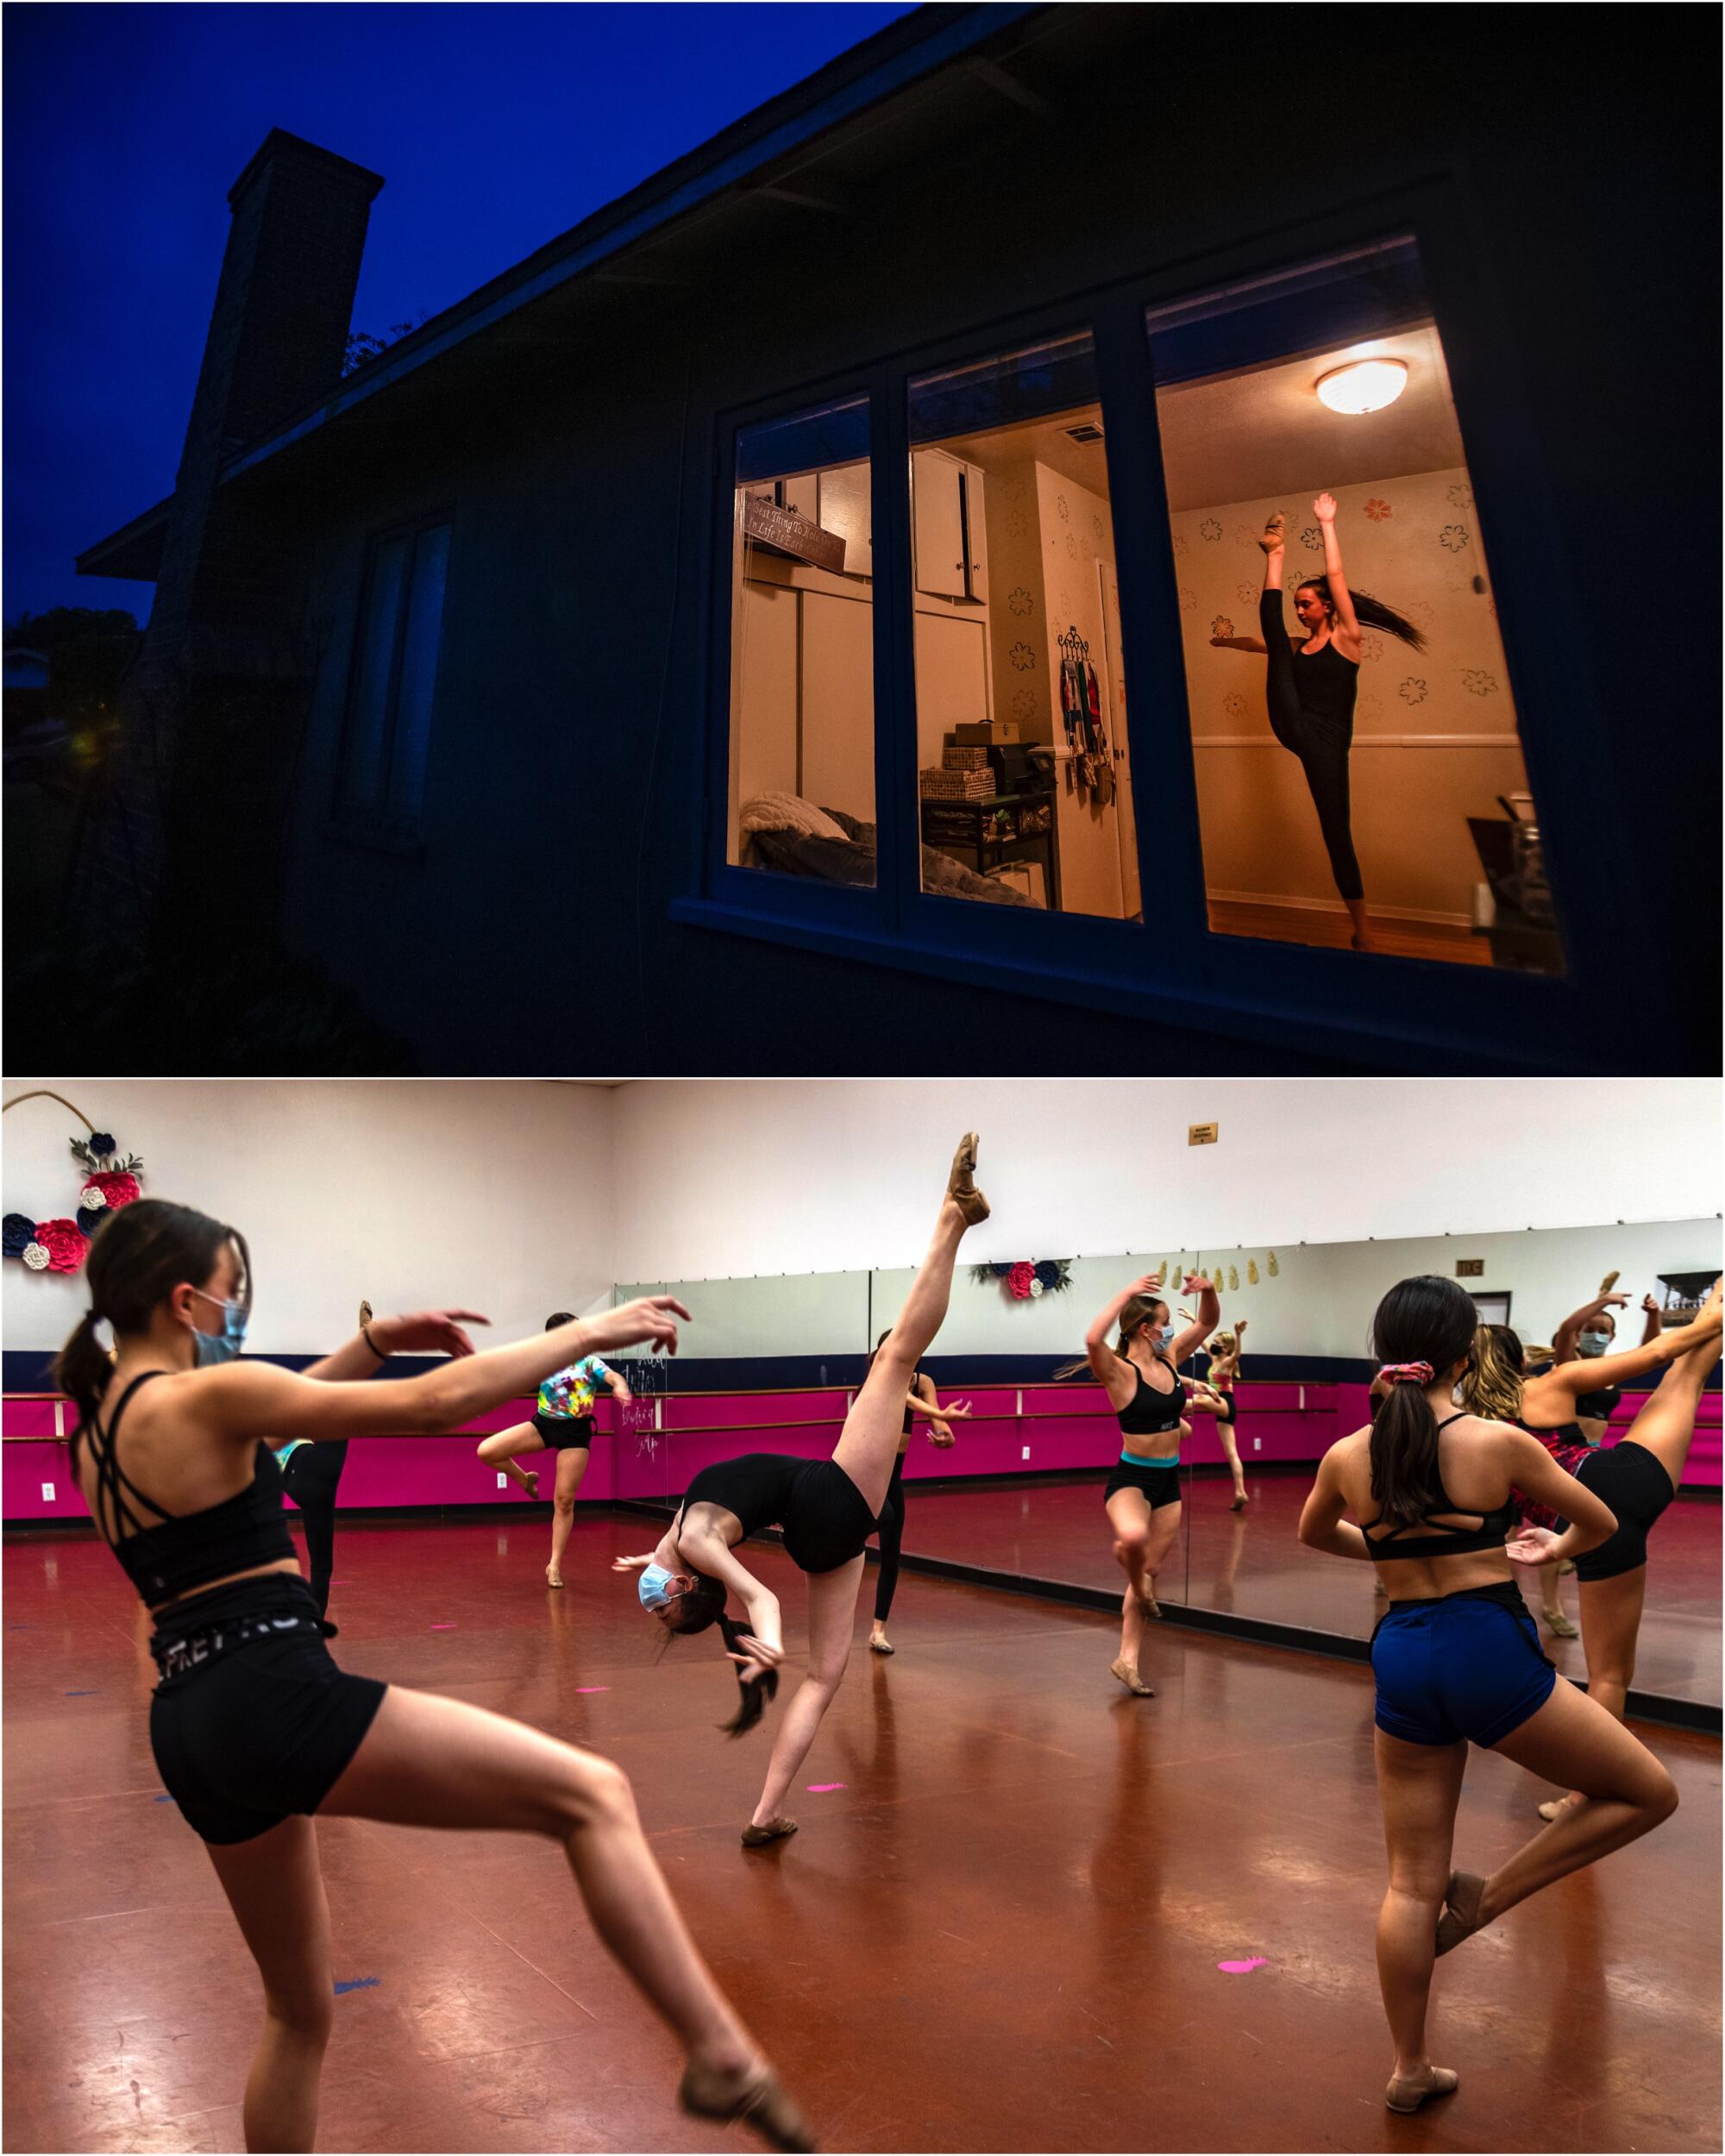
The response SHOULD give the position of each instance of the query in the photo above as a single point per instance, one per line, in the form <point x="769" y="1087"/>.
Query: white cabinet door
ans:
<point x="846" y="510"/>
<point x="938" y="518"/>
<point x="976" y="531"/>
<point x="837" y="704"/>
<point x="802" y="495"/>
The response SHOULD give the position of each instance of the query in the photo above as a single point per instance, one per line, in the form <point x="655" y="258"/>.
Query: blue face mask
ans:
<point x="1593" y="1343"/>
<point x="225" y="1345"/>
<point x="1165" y="1338"/>
<point x="655" y="1587"/>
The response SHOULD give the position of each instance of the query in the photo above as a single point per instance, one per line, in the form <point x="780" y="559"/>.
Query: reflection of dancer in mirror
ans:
<point x="1591" y="1332"/>
<point x="1142" y="1496"/>
<point x="827" y="1509"/>
<point x="563" y="1423"/>
<point x="1456" y="1656"/>
<point x="1313" y="681"/>
<point x="921" y="1400"/>
<point x="253" y="1727"/>
<point x="1637" y="1477"/>
<point x="311" y="1474"/>
<point x="1226" y="1348"/>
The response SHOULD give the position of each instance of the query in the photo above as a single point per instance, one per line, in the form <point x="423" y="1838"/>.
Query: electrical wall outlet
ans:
<point x="502" y="1481"/>
<point x="1026" y="1453"/>
<point x="1257" y="1445"/>
<point x="48" y="1493"/>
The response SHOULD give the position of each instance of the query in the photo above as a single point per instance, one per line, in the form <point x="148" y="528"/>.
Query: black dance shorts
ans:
<point x="827" y="1520"/>
<point x="1630" y="1479"/>
<point x="1160" y="1485"/>
<point x="565" y="1434"/>
<point x="253" y="1721"/>
<point x="1225" y="1412"/>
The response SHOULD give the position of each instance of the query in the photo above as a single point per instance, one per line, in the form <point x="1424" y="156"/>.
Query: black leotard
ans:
<point x="1491" y="1533"/>
<point x="1311" y="699"/>
<point x="825" y="1517"/>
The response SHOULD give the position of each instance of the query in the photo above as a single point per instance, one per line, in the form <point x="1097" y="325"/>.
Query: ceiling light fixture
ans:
<point x="1363" y="385"/>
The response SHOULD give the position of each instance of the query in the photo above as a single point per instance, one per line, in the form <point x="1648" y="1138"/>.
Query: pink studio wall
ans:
<point x="1060" y="1427"/>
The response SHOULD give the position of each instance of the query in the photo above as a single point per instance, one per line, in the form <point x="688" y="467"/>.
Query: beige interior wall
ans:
<point x="1435" y="732"/>
<point x="1076" y="529"/>
<point x="1018" y="611"/>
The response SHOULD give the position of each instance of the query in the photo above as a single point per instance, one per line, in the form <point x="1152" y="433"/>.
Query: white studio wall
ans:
<point x="497" y="1197"/>
<point x="726" y="1179"/>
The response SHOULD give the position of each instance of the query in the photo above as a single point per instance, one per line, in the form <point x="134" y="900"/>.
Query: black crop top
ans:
<point x="1150" y="1413"/>
<point x="755" y="1485"/>
<point x="188" y="1550"/>
<point x="1599" y="1407"/>
<point x="910" y="1412"/>
<point x="1491" y="1533"/>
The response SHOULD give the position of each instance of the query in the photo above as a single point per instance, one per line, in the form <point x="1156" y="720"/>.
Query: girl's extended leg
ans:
<point x="868" y="1444"/>
<point x="1550" y="1604"/>
<point x="311" y="1478"/>
<point x="1625" y="1793"/>
<point x="1666" y="1426"/>
<point x="1324" y="757"/>
<point x="832" y="1618"/>
<point x="892" y="1541"/>
<point x="572" y="1467"/>
<point x="276" y="1891"/>
<point x="1281" y="693"/>
<point x="427" y="1761"/>
<point x="1419" y="1786"/>
<point x="1610" y="1624"/>
<point x="500" y="1448"/>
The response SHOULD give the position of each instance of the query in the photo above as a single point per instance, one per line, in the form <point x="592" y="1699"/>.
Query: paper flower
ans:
<point x="64" y="1243"/>
<point x="117" y="1189"/>
<point x="1274" y="1268"/>
<point x="1036" y="1286"/>
<point x="35" y="1257"/>
<point x="1021" y="1280"/>
<point x="1048" y="1271"/>
<point x="89" y="1221"/>
<point x="1251" y="1272"/>
<point x="1233" y="1279"/>
<point x="92" y="1198"/>
<point x="102" y="1144"/>
<point x="17" y="1232"/>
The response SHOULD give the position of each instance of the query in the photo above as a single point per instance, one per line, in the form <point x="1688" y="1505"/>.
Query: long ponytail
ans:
<point x="1369" y="612"/>
<point x="1424" y="1324"/>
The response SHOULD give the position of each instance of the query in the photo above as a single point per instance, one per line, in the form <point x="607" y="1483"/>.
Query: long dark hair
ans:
<point x="701" y="1606"/>
<point x="1140" y="1308"/>
<point x="1369" y="612"/>
<point x="1493" y="1387"/>
<point x="138" y="1257"/>
<point x="1426" y="1319"/>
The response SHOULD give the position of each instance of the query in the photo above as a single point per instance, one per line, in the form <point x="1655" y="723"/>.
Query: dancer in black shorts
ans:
<point x="311" y="1474"/>
<point x="561" y="1423"/>
<point x="253" y="1727"/>
<point x="1456" y="1656"/>
<point x="1226" y="1349"/>
<point x="827" y="1509"/>
<point x="921" y="1400"/>
<point x="1142" y="1496"/>
<point x="1637" y="1477"/>
<point x="1313" y="681"/>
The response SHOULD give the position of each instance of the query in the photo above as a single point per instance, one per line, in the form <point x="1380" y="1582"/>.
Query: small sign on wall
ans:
<point x="1470" y="1268"/>
<point x="1201" y="1133"/>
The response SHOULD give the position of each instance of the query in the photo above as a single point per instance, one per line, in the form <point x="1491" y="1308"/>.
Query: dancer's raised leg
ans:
<point x="500" y="1448"/>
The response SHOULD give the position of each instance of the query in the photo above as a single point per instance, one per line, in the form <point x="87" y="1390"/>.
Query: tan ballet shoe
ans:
<point x="532" y="1481"/>
<point x="757" y="1837"/>
<point x="1275" y="533"/>
<point x="1554" y="1807"/>
<point x="882" y="1645"/>
<point x="1129" y="1676"/>
<point x="961" y="1186"/>
<point x="1240" y="1504"/>
<point x="757" y="2102"/>
<point x="549" y="1582"/>
<point x="1565" y="1627"/>
<point x="1460" y="1918"/>
<point x="1409" y="2095"/>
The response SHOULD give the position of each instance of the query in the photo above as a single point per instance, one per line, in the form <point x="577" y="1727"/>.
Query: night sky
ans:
<point x="495" y="126"/>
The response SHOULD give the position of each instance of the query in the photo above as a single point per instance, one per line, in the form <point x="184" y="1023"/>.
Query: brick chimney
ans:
<point x="211" y="714"/>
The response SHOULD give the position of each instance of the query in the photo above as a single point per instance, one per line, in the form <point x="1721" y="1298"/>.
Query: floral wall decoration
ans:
<point x="109" y="1181"/>
<point x="1026" y="1278"/>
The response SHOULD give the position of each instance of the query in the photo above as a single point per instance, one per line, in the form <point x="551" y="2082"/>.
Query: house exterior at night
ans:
<point x="453" y="656"/>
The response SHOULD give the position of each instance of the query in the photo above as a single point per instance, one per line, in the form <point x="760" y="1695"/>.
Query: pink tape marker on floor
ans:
<point x="593" y="1688"/>
<point x="821" y="1789"/>
<point x="1241" y="1968"/>
<point x="443" y="1628"/>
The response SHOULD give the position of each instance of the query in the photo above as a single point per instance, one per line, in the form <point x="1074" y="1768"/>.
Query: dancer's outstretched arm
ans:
<point x="1239" y="644"/>
<point x="1654" y="1321"/>
<point x="764" y="1639"/>
<point x="1563" y="1386"/>
<point x="1115" y="1372"/>
<point x="1563" y="1340"/>
<point x="416" y="1332"/>
<point x="1209" y="1317"/>
<point x="1325" y="509"/>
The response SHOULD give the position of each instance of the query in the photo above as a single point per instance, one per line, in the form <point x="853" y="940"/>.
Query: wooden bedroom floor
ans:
<point x="1396" y="939"/>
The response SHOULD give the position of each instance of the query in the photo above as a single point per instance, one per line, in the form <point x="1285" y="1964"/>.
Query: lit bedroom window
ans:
<point x="1359" y="771"/>
<point x="802" y="665"/>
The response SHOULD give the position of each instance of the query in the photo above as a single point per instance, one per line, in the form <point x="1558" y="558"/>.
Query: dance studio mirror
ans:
<point x="1360" y="772"/>
<point x="774" y="1361"/>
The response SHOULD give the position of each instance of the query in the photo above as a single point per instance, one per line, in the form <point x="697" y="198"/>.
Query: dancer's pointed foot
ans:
<point x="1240" y="1502"/>
<point x="1461" y="1916"/>
<point x="552" y="1577"/>
<point x="756" y="1837"/>
<point x="1129" y="1676"/>
<point x="1148" y="1604"/>
<point x="879" y="1643"/>
<point x="1408" y="2095"/>
<point x="532" y="1481"/>
<point x="961" y="1185"/>
<point x="1560" y="1622"/>
<point x="1275" y="533"/>
<point x="754" y="2098"/>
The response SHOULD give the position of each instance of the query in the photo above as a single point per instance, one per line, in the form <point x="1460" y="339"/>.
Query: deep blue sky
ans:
<point x="495" y="126"/>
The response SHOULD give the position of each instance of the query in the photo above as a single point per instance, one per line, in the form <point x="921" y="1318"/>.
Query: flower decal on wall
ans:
<point x="1370" y="646"/>
<point x="1243" y="535"/>
<point x="1477" y="682"/>
<point x="1024" y="703"/>
<point x="1234" y="705"/>
<point x="1248" y="592"/>
<point x="1377" y="511"/>
<point x="1022" y="657"/>
<point x="1099" y="529"/>
<point x="1017" y="523"/>
<point x="1461" y="496"/>
<point x="1189" y="601"/>
<point x="1413" y="691"/>
<point x="1221" y="626"/>
<point x="1179" y="542"/>
<point x="1064" y="512"/>
<point x="1453" y="537"/>
<point x="1210" y="529"/>
<point x="1024" y="1280"/>
<point x="1019" y="601"/>
<point x="1312" y="539"/>
<point x="1072" y="546"/>
<point x="59" y="1245"/>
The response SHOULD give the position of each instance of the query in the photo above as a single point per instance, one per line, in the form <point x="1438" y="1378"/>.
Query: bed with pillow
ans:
<point x="785" y="832"/>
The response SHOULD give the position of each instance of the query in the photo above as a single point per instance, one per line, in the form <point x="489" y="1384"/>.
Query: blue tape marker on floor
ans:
<point x="90" y="1694"/>
<point x="161" y="1800"/>
<point x="357" y="1984"/>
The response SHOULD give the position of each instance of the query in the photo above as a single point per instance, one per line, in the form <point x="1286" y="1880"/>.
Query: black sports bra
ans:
<point x="1491" y="1533"/>
<point x="1599" y="1407"/>
<point x="186" y="1550"/>
<point x="1150" y="1413"/>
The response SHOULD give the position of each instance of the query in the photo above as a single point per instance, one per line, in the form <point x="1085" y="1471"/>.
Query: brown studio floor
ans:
<point x="1001" y="1933"/>
<point x="1253" y="1564"/>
